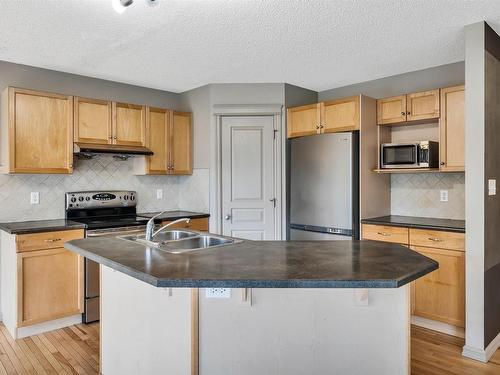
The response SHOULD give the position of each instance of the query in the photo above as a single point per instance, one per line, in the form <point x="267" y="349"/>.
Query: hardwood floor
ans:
<point x="71" y="350"/>
<point x="75" y="350"/>
<point x="434" y="353"/>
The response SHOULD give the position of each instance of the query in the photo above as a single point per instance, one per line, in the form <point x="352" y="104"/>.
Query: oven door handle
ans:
<point x="114" y="233"/>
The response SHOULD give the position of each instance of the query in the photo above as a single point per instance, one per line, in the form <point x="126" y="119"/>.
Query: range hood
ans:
<point x="90" y="148"/>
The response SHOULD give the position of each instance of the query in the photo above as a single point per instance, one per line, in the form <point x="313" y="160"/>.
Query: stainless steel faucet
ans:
<point x="150" y="232"/>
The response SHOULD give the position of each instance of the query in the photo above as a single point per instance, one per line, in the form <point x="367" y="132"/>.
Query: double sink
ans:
<point x="177" y="241"/>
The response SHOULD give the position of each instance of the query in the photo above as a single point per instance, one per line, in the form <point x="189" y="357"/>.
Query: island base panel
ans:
<point x="281" y="331"/>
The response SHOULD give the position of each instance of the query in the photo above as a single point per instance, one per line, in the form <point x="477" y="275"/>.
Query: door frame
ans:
<point x="219" y="112"/>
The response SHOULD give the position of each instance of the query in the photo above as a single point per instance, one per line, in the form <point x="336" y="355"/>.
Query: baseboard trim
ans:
<point x="438" y="326"/>
<point x="480" y="354"/>
<point x="36" y="329"/>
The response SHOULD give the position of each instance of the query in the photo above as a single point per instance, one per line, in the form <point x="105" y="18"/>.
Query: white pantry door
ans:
<point x="248" y="201"/>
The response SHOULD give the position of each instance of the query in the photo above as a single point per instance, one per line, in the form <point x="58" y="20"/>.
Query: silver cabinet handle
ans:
<point x="227" y="217"/>
<point x="385" y="234"/>
<point x="53" y="240"/>
<point x="435" y="239"/>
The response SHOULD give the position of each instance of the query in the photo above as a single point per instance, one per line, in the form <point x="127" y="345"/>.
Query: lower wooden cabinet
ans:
<point x="440" y="295"/>
<point x="195" y="224"/>
<point x="41" y="281"/>
<point x="49" y="285"/>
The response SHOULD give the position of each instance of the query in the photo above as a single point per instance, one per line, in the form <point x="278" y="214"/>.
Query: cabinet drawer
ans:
<point x="195" y="224"/>
<point x="46" y="240"/>
<point x="437" y="239"/>
<point x="385" y="233"/>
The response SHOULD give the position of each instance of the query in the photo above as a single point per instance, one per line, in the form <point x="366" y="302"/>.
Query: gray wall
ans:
<point x="49" y="80"/>
<point x="492" y="202"/>
<point x="198" y="102"/>
<point x="420" y="80"/>
<point x="416" y="194"/>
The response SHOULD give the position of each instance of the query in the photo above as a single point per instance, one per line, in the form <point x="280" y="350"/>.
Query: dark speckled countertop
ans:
<point x="448" y="225"/>
<point x="23" y="227"/>
<point x="36" y="226"/>
<point x="263" y="264"/>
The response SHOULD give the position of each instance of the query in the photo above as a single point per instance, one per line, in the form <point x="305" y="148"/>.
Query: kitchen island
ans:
<point x="294" y="307"/>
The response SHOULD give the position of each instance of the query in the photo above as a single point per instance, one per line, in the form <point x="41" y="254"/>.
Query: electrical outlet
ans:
<point x="443" y="195"/>
<point x="159" y="194"/>
<point x="35" y="197"/>
<point x="218" y="292"/>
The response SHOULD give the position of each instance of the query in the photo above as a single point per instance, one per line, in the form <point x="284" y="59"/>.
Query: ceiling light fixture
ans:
<point x="121" y="5"/>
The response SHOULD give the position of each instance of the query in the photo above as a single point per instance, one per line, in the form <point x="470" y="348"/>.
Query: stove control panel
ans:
<point x="99" y="199"/>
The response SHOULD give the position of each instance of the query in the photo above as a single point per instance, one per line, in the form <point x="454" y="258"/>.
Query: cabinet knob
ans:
<point x="227" y="217"/>
<point x="403" y="113"/>
<point x="321" y="126"/>
<point x="408" y="113"/>
<point x="442" y="163"/>
<point x="317" y="126"/>
<point x="114" y="137"/>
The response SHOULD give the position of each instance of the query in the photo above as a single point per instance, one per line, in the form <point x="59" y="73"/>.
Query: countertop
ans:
<point x="24" y="227"/>
<point x="263" y="264"/>
<point x="36" y="226"/>
<point x="448" y="225"/>
<point x="174" y="215"/>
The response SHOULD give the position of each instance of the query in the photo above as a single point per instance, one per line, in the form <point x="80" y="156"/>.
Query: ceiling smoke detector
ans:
<point x="120" y="5"/>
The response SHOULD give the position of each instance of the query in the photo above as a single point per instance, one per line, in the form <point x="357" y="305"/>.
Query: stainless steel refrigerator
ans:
<point x="324" y="187"/>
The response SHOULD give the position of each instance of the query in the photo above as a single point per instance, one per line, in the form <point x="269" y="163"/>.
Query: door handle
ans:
<point x="227" y="217"/>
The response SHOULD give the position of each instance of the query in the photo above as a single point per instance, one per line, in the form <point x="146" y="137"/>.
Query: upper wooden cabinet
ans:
<point x="340" y="115"/>
<point x="419" y="106"/>
<point x="303" y="120"/>
<point x="93" y="121"/>
<point x="391" y="110"/>
<point x="325" y="117"/>
<point x="452" y="129"/>
<point x="129" y="124"/>
<point x="181" y="134"/>
<point x="36" y="132"/>
<point x="170" y="139"/>
<point x="159" y="141"/>
<point x="422" y="105"/>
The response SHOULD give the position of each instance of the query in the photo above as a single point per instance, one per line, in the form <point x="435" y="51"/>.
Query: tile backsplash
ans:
<point x="418" y="194"/>
<point x="101" y="173"/>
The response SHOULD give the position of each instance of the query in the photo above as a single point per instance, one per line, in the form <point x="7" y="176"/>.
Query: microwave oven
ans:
<point x="423" y="154"/>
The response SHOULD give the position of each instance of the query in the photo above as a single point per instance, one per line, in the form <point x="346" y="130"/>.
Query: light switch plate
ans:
<point x="35" y="197"/>
<point x="492" y="187"/>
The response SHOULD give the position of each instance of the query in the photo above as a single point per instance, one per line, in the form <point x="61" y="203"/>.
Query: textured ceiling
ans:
<point x="180" y="45"/>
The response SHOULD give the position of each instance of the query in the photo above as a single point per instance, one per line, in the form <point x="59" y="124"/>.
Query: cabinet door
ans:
<point x="304" y="120"/>
<point x="196" y="224"/>
<point x="423" y="105"/>
<point x="158" y="140"/>
<point x="181" y="143"/>
<point x="440" y="295"/>
<point x="340" y="115"/>
<point x="49" y="285"/>
<point x="92" y="121"/>
<point x="129" y="124"/>
<point x="391" y="110"/>
<point x="452" y="128"/>
<point x="40" y="132"/>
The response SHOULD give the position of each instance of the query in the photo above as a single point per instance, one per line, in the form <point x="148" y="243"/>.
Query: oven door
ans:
<point x="92" y="285"/>
<point x="399" y="156"/>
